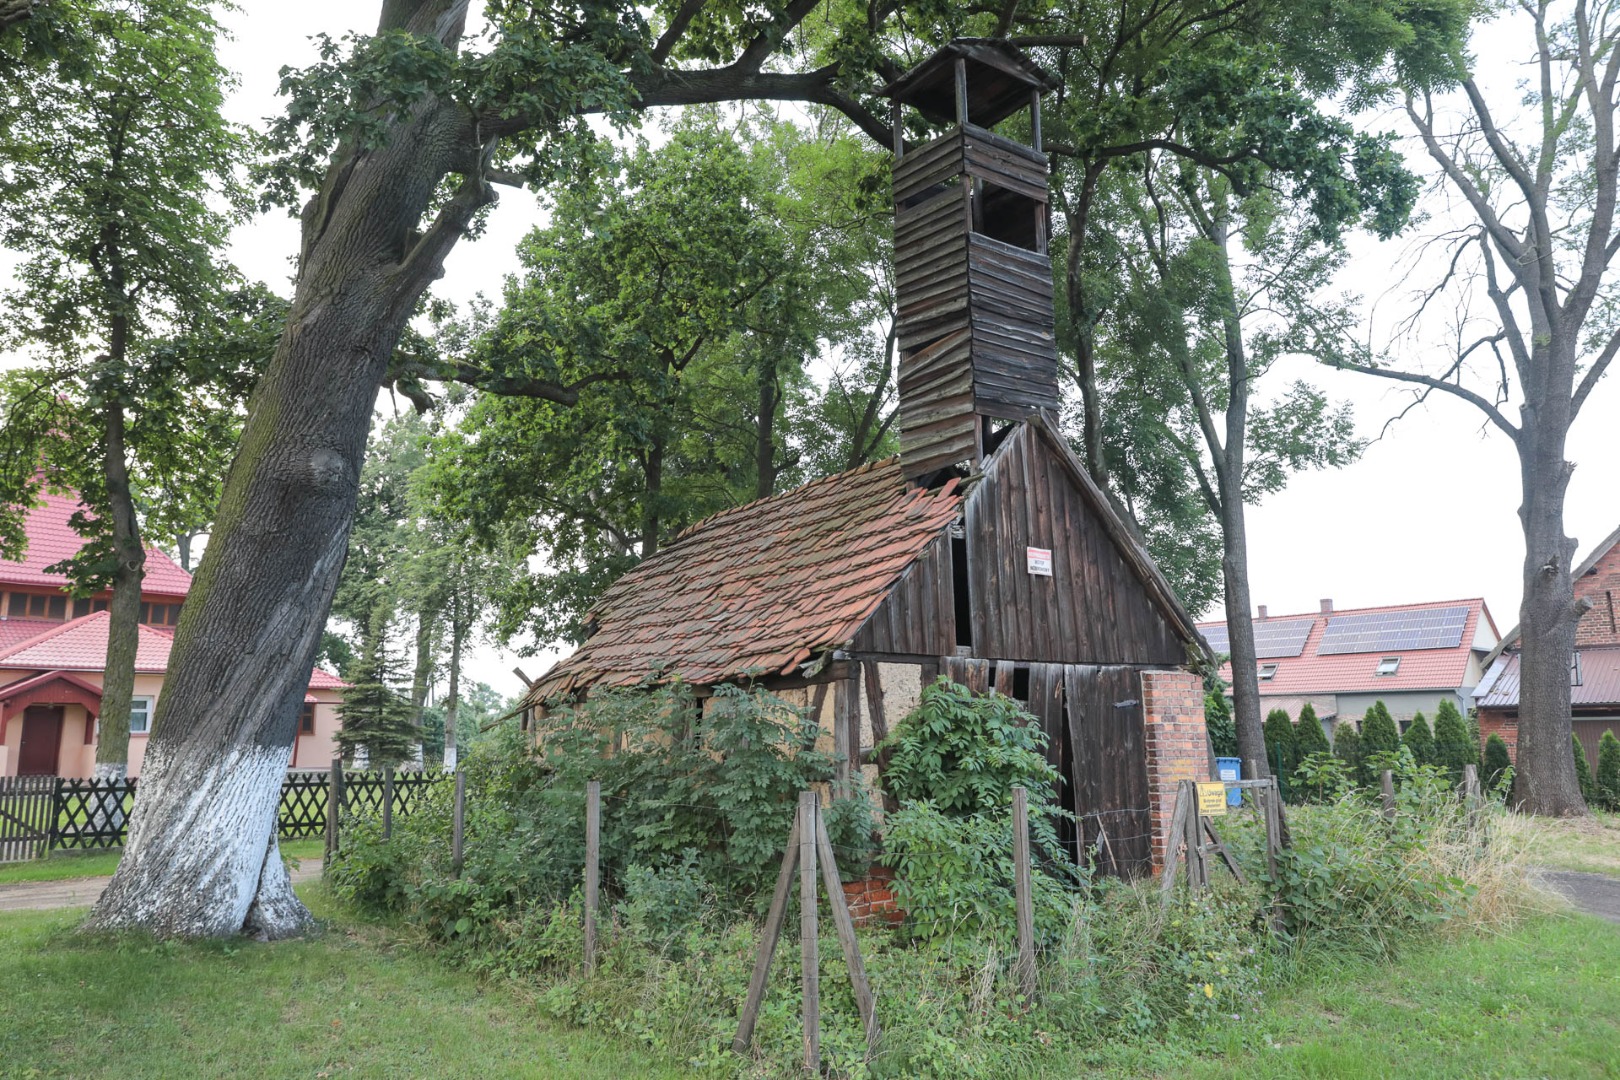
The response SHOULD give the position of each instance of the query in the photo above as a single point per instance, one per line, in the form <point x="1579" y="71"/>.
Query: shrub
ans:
<point x="1378" y="736"/>
<point x="1608" y="770"/>
<point x="1282" y="750"/>
<point x="1453" y="746"/>
<point x="1322" y="777"/>
<point x="965" y="752"/>
<point x="1498" y="767"/>
<point x="1347" y="748"/>
<point x="1583" y="771"/>
<point x="1309" y="735"/>
<point x="1222" y="728"/>
<point x="1420" y="740"/>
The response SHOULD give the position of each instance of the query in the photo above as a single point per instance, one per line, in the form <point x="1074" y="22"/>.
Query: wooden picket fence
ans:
<point x="26" y="806"/>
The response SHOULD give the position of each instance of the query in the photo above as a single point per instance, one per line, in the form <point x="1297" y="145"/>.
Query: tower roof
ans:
<point x="999" y="81"/>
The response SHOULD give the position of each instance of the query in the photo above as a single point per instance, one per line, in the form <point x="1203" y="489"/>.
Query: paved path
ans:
<point x="1595" y="894"/>
<point x="82" y="892"/>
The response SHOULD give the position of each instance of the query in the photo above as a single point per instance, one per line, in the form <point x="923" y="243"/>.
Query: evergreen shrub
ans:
<point x="1583" y="771"/>
<point x="1497" y="770"/>
<point x="1454" y="747"/>
<point x="1420" y="740"/>
<point x="1608" y="770"/>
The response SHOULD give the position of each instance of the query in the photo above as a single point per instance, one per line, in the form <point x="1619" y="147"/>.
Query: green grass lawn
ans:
<point x="1540" y="1001"/>
<point x="73" y="864"/>
<point x="357" y="1000"/>
<point x="350" y="1002"/>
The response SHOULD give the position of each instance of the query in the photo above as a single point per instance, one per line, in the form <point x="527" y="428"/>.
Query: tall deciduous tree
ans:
<point x="1529" y="271"/>
<point x="401" y="138"/>
<point x="116" y="165"/>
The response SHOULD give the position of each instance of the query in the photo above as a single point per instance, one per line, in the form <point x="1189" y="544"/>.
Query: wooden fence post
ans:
<point x="768" y="940"/>
<point x="458" y="824"/>
<point x="1197" y="868"/>
<point x="845" y="926"/>
<point x="334" y="806"/>
<point x="388" y="803"/>
<point x="593" y="850"/>
<point x="1471" y="796"/>
<point x="809" y="947"/>
<point x="1270" y="796"/>
<point x="1386" y="783"/>
<point x="1173" y="841"/>
<point x="1022" y="901"/>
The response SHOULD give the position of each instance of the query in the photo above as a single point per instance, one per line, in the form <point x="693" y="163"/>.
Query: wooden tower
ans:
<point x="973" y="279"/>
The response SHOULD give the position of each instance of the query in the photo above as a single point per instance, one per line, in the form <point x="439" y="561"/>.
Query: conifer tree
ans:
<point x="1282" y="747"/>
<point x="1379" y="735"/>
<point x="1347" y="748"/>
<point x="1454" y="747"/>
<point x="1496" y="760"/>
<point x="375" y="718"/>
<point x="1583" y="771"/>
<point x="1420" y="740"/>
<point x="1308" y="734"/>
<point x="1608" y="770"/>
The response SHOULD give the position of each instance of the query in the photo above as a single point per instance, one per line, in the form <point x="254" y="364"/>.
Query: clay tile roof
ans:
<point x="762" y="588"/>
<point x="51" y="539"/>
<point x="81" y="645"/>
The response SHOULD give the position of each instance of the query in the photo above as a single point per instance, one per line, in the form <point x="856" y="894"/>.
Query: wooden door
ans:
<point x="41" y="741"/>
<point x="1108" y="762"/>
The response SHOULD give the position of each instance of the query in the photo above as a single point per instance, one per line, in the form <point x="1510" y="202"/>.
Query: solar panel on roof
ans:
<point x="1273" y="638"/>
<point x="1394" y="631"/>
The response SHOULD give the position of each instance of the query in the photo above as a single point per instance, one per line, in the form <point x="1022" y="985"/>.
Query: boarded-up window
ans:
<point x="306" y="719"/>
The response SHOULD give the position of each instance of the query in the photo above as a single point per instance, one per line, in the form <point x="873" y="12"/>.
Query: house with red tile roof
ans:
<point x="1594" y="671"/>
<point x="53" y="654"/>
<point x="1409" y="656"/>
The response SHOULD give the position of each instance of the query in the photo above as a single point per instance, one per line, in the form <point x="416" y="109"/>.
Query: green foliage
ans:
<point x="1310" y="737"/>
<point x="1379" y="736"/>
<point x="1608" y="770"/>
<point x="1498" y="767"/>
<point x="1322" y="777"/>
<point x="1360" y="879"/>
<point x="965" y="752"/>
<point x="1583" y="770"/>
<point x="1454" y="746"/>
<point x="1282" y="747"/>
<point x="1419" y="739"/>
<point x="1218" y="719"/>
<point x="1347" y="748"/>
<point x="373" y="716"/>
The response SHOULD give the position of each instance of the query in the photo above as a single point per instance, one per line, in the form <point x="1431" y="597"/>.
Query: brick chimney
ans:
<point x="1262" y="614"/>
<point x="1327" y="605"/>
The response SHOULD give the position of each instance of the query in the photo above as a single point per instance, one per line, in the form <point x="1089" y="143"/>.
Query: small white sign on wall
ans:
<point x="1040" y="561"/>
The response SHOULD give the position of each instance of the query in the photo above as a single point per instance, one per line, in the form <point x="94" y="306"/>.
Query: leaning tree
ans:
<point x="402" y="137"/>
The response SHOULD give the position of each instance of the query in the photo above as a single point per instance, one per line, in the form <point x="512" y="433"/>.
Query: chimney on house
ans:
<point x="977" y="344"/>
<point x="1327" y="605"/>
<point x="1262" y="614"/>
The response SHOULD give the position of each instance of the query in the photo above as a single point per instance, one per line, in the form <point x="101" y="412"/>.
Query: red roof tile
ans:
<point x="51" y="539"/>
<point x="1351" y="673"/>
<point x="762" y="588"/>
<point x="81" y="645"/>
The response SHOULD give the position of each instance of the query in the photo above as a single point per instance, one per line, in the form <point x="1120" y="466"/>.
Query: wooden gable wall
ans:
<point x="1094" y="609"/>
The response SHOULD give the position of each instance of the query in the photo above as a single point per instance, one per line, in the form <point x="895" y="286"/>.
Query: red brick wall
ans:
<point x="1601" y="625"/>
<point x="872" y="900"/>
<point x="1177" y="745"/>
<point x="1499" y="722"/>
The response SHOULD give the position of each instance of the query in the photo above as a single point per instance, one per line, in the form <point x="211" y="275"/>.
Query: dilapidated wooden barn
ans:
<point x="984" y="551"/>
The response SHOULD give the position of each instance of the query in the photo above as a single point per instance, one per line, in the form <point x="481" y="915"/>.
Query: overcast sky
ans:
<point x="1429" y="513"/>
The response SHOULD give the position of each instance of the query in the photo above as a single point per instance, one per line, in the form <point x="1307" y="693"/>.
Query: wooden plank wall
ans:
<point x="1092" y="610"/>
<point x="1015" y="366"/>
<point x="918" y="618"/>
<point x="1108" y="739"/>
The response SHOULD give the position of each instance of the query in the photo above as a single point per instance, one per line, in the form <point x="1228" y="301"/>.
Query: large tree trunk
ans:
<point x="202" y="853"/>
<point x="124" y="612"/>
<point x="1240" y="630"/>
<point x="1545" y="781"/>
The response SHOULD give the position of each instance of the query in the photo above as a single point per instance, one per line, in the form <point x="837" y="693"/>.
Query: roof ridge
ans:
<point x="1353" y="611"/>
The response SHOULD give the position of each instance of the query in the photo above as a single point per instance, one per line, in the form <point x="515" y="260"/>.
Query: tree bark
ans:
<point x="124" y="610"/>
<point x="765" y="431"/>
<point x="201" y="859"/>
<point x="452" y="699"/>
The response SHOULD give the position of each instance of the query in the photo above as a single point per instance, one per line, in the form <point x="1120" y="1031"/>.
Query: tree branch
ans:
<point x="1491" y="412"/>
<point x="1594" y="373"/>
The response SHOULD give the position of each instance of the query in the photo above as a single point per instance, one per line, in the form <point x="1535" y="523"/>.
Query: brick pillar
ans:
<point x="1499" y="723"/>
<point x="1177" y="746"/>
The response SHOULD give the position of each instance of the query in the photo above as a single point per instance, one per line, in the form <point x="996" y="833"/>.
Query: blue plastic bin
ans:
<point x="1229" y="769"/>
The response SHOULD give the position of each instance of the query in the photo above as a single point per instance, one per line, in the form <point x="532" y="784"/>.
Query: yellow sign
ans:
<point x="1211" y="799"/>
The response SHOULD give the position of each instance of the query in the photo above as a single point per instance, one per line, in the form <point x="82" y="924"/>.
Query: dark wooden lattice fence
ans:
<point x="90" y="814"/>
